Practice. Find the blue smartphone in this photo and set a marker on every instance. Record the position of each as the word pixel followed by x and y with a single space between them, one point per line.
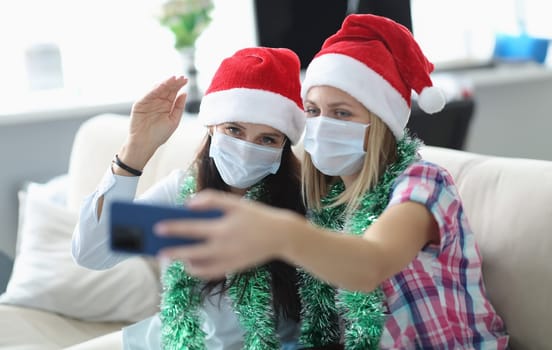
pixel 131 226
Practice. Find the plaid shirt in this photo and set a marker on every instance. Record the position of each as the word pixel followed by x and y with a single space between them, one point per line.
pixel 439 301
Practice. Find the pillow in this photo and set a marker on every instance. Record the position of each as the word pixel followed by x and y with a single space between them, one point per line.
pixel 45 276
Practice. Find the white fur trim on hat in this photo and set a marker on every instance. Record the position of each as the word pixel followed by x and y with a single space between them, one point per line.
pixel 253 106
pixel 362 83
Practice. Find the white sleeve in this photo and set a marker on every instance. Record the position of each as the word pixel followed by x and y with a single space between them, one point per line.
pixel 90 244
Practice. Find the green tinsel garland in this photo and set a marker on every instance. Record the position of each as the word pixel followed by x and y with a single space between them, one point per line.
pixel 322 305
pixel 319 317
pixel 252 301
pixel 255 312
pixel 363 313
pixel 181 299
pixel 181 327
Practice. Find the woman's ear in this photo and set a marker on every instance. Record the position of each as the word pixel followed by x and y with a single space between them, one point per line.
pixel 211 130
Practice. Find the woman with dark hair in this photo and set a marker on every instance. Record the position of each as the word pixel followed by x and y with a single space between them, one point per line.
pixel 253 113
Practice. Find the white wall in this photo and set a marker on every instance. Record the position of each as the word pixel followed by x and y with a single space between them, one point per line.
pixel 513 113
pixel 35 148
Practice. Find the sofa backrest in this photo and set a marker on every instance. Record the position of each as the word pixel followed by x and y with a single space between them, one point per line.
pixel 99 138
pixel 508 203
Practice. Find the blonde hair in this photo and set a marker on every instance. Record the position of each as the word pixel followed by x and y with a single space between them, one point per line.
pixel 381 151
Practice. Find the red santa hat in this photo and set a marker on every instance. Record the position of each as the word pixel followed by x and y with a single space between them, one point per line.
pixel 257 85
pixel 378 62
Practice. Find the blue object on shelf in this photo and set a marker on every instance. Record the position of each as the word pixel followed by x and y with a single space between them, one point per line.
pixel 520 48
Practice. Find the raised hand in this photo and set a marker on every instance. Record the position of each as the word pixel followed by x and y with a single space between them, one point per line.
pixel 153 120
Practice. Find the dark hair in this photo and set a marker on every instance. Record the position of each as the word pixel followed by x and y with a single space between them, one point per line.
pixel 283 190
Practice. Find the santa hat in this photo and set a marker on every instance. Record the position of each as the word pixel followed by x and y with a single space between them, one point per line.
pixel 378 62
pixel 257 85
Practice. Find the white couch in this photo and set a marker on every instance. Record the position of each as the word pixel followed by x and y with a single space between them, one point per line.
pixel 508 202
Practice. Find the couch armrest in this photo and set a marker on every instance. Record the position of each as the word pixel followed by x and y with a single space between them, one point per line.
pixel 32 329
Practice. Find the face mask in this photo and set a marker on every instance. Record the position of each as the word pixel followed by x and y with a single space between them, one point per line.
pixel 336 147
pixel 242 164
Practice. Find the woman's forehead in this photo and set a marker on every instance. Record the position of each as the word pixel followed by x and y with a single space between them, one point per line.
pixel 327 93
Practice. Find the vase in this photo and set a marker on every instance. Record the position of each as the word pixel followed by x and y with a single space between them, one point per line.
pixel 193 99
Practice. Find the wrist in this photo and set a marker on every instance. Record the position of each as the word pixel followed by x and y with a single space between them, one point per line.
pixel 135 156
pixel 121 166
pixel 294 232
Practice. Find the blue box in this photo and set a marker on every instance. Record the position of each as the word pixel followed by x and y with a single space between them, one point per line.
pixel 520 48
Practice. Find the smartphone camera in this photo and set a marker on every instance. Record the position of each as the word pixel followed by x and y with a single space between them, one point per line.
pixel 127 238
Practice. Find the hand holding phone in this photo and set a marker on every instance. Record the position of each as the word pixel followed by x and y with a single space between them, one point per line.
pixel 131 226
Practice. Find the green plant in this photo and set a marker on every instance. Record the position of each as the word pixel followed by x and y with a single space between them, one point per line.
pixel 186 19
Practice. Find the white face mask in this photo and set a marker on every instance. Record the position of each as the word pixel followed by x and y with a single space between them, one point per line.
pixel 336 147
pixel 242 164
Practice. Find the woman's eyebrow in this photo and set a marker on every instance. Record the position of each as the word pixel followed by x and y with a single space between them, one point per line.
pixel 273 134
pixel 333 104
pixel 337 104
pixel 234 124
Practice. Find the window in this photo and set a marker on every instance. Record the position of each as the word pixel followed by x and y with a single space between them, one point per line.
pixel 464 31
pixel 109 50
pixel 114 50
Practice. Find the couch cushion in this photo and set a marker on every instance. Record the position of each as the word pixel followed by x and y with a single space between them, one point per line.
pixel 30 329
pixel 508 202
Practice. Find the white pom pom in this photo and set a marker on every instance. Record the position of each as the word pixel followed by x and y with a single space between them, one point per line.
pixel 431 100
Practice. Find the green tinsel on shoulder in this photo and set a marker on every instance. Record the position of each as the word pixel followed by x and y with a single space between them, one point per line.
pixel 181 296
pixel 319 316
pixel 363 314
pixel 187 189
pixel 253 305
pixel 252 301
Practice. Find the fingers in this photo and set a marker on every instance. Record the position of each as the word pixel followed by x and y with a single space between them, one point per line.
pixel 173 85
pixel 212 199
pixel 188 228
pixel 216 268
pixel 204 267
pixel 178 107
pixel 196 252
pixel 201 260
pixel 167 89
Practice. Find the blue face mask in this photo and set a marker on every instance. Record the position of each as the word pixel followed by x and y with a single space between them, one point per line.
pixel 336 147
pixel 242 164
